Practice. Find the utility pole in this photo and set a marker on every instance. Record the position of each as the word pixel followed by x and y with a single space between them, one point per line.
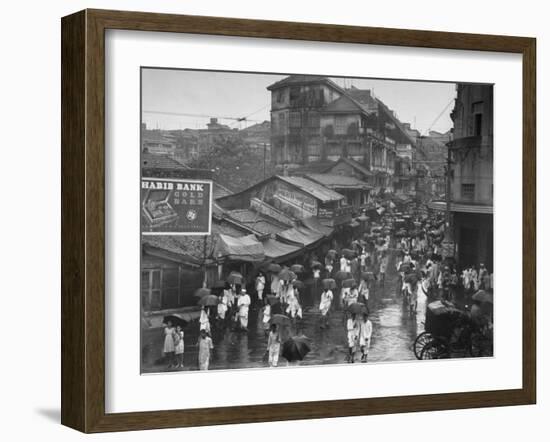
pixel 264 159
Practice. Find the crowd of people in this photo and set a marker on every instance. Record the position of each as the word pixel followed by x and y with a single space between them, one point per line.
pixel 345 281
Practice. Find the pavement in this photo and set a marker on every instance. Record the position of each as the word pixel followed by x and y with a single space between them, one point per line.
pixel 394 332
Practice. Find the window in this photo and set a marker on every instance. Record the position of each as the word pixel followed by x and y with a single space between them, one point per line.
pixel 468 191
pixel 477 111
pixel 340 123
pixel 314 120
pixel 295 119
pixel 294 95
pixel 151 289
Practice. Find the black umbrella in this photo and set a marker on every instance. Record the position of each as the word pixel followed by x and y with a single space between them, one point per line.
pixel 357 308
pixel 272 299
pixel 235 278
pixel 368 276
pixel 297 268
pixel 280 319
pixel 175 319
pixel 287 275
pixel 298 284
pixel 483 296
pixel 199 293
pixel 348 253
pixel 349 283
pixel 316 265
pixel 340 275
pixel 208 301
pixel 273 267
pixel 296 348
pixel 329 283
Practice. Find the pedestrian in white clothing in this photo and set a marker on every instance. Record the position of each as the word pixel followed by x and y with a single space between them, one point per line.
pixel 352 328
pixel 260 286
pixel 365 333
pixel 243 304
pixel 273 346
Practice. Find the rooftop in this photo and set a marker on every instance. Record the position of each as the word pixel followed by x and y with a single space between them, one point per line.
pixel 160 161
pixel 256 221
pixel 314 189
pixel 357 166
pixel 336 181
pixel 298 80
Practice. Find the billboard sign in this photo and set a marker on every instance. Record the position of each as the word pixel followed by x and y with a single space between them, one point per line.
pixel 171 206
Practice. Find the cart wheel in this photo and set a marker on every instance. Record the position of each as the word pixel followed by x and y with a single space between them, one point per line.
pixel 420 342
pixel 434 350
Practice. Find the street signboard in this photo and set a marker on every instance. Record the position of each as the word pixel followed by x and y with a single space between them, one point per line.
pixel 173 206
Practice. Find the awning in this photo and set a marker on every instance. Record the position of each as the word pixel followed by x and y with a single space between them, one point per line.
pixel 313 223
pixel 465 208
pixel 277 251
pixel 244 248
pixel 301 235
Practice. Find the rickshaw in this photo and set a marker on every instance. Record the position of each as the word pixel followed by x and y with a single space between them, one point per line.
pixel 447 332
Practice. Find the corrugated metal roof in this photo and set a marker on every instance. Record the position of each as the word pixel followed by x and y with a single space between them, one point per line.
pixel 357 166
pixel 256 221
pixel 160 161
pixel 314 189
pixel 336 181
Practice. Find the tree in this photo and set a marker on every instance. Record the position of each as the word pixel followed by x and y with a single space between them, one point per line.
pixel 236 165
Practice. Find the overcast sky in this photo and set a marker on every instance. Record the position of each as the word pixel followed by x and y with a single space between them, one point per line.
pixel 204 94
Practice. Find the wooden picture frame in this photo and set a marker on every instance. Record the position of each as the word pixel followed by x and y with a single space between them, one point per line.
pixel 83 219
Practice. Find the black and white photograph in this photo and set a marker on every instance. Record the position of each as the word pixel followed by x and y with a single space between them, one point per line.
pixel 304 219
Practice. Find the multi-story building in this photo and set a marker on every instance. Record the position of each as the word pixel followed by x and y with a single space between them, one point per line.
pixel 315 120
pixel 471 181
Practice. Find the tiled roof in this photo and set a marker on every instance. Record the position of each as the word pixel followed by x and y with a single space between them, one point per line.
pixel 160 161
pixel 313 167
pixel 314 189
pixel 352 163
pixel 336 181
pixel 256 221
pixel 297 79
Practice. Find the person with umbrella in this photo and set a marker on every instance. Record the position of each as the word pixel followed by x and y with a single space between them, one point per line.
pixel 273 345
pixel 260 286
pixel 204 320
pixel 205 349
pixel 169 345
pixel 365 333
pixel 179 347
pixel 329 262
pixel 363 289
pixel 324 305
pixel 352 328
pixel 266 316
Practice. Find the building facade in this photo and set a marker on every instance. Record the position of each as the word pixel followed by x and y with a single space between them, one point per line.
pixel 315 120
pixel 471 182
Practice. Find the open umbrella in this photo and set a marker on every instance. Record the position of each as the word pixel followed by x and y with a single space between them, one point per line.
pixel 483 296
pixel 208 300
pixel 298 284
pixel 280 319
pixel 332 252
pixel 272 299
pixel 411 278
pixel 296 348
pixel 316 265
pixel 297 268
pixel 357 308
pixel 348 253
pixel 203 291
pixel 329 283
pixel 235 278
pixel 405 267
pixel 287 275
pixel 273 267
pixel 175 319
pixel 349 283
pixel 341 275
pixel 368 276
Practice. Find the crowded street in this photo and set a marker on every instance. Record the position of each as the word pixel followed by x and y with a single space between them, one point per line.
pixel 238 330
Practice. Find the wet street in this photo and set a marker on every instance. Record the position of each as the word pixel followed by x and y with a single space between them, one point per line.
pixel 394 331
